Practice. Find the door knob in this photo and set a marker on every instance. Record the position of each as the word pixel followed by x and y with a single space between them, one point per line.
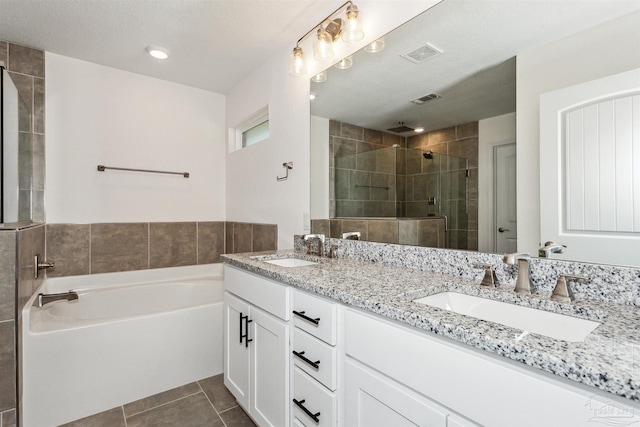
pixel 502 230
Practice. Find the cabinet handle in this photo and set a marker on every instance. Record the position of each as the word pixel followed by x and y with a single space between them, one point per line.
pixel 247 340
pixel 304 359
pixel 241 335
pixel 314 417
pixel 307 318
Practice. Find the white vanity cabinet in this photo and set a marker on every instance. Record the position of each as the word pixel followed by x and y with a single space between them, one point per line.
pixel 256 345
pixel 314 359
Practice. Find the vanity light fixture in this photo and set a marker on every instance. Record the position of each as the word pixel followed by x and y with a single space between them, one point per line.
pixel 157 52
pixel 375 46
pixel 344 63
pixel 327 32
pixel 320 77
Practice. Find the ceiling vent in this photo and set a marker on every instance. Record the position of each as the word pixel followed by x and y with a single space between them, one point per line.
pixel 401 129
pixel 426 98
pixel 421 53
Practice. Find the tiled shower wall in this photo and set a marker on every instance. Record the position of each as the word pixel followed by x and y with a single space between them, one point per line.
pixel 26 67
pixel 78 249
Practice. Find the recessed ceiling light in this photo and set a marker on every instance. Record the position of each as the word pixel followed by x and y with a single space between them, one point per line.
pixel 418 130
pixel 157 52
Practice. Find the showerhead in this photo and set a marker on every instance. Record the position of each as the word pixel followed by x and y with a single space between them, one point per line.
pixel 428 154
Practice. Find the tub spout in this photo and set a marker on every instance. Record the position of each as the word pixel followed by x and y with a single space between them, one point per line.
pixel 47 298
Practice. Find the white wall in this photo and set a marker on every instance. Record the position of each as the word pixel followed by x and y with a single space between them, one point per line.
pixel 491 132
pixel 607 49
pixel 101 115
pixel 254 195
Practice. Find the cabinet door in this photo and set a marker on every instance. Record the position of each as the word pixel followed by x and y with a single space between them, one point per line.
pixel 236 353
pixel 374 400
pixel 269 369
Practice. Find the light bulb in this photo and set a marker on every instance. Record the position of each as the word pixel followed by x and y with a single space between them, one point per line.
pixel 344 63
pixel 375 46
pixel 323 46
pixel 352 31
pixel 297 67
pixel 320 77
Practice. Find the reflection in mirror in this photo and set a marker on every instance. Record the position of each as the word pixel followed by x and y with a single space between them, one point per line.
pixel 449 72
pixel 15 146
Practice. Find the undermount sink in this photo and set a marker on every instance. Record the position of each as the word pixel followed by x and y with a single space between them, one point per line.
pixel 291 262
pixel 531 320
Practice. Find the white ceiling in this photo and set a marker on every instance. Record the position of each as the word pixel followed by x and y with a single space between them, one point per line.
pixel 476 73
pixel 213 43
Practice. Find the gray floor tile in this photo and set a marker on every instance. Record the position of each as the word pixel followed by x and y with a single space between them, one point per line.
pixel 112 418
pixel 217 393
pixel 192 411
pixel 160 399
pixel 236 417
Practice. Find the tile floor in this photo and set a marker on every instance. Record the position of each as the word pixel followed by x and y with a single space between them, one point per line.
pixel 202 403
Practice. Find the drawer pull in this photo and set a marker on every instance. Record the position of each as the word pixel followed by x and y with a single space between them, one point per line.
pixel 315 417
pixel 307 318
pixel 300 355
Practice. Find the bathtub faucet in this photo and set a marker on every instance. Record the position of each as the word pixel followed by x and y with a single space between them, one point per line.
pixel 47 298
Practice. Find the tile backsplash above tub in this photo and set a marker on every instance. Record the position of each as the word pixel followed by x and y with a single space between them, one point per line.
pixel 78 249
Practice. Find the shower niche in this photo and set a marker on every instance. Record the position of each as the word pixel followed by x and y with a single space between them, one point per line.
pixel 423 185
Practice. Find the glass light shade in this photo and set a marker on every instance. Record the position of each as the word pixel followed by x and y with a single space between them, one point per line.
pixel 323 46
pixel 344 63
pixel 320 77
pixel 297 67
pixel 352 31
pixel 375 46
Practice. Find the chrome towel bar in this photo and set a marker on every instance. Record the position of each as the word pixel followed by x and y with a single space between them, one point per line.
pixel 102 168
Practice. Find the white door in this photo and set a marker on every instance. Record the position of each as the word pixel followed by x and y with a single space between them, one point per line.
pixel 373 400
pixel 506 226
pixel 236 351
pixel 589 163
pixel 269 369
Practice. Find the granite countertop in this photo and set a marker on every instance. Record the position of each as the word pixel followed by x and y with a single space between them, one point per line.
pixel 609 358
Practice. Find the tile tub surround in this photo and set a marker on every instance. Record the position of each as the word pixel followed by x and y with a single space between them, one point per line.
pixel 78 249
pixel 202 403
pixel 384 279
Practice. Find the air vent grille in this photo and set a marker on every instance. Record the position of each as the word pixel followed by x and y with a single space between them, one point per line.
pixel 421 53
pixel 426 98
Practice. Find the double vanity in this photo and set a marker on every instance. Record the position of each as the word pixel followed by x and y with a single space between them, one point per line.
pixel 390 335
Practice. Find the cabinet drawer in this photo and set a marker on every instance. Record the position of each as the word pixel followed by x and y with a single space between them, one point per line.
pixel 316 399
pixel 308 347
pixel 266 294
pixel 315 316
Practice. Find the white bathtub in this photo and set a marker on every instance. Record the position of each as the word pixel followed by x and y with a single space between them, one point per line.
pixel 128 336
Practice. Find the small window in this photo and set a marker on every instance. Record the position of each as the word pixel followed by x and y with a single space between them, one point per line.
pixel 258 133
pixel 252 130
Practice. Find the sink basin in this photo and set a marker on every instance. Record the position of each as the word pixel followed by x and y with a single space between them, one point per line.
pixel 291 262
pixel 541 322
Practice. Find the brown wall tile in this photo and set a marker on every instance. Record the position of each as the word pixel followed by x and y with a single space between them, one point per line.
pixel 26 60
pixel 172 244
pixel 467 130
pixel 4 46
pixel 228 237
pixel 349 225
pixel 211 241
pixel 7 366
pixel 38 105
pixel 68 246
pixel 9 418
pixel 321 226
pixel 351 131
pixel 383 231
pixel 31 242
pixel 119 247
pixel 7 274
pixel 38 162
pixel 242 237
pixel 265 237
pixel 24 84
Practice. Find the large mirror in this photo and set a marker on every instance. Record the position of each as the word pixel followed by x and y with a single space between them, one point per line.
pixel 16 156
pixel 449 73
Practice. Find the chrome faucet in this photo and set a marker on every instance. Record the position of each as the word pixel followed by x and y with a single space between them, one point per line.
pixel 549 248
pixel 310 238
pixel 562 292
pixel 523 282
pixel 40 265
pixel 47 298
pixel 351 235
